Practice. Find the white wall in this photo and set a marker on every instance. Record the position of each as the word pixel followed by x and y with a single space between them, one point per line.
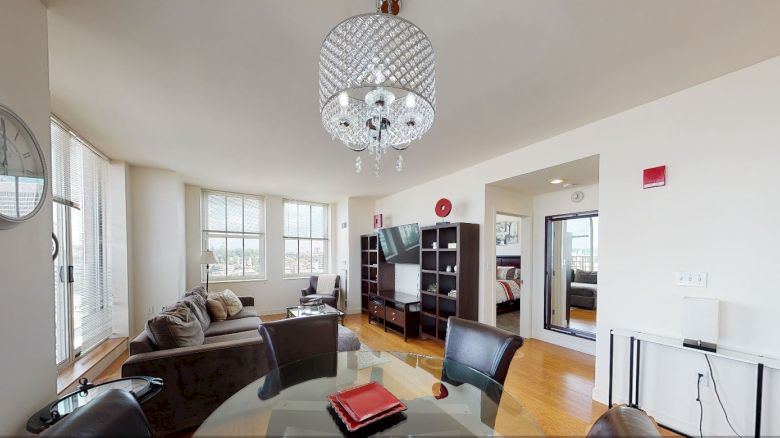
pixel 157 241
pixel 721 142
pixel 550 204
pixel 361 222
pixel 28 377
pixel 119 247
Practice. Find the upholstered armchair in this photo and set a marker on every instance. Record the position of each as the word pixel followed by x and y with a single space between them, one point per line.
pixel 310 293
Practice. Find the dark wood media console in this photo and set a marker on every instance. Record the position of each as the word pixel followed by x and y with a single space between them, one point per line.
pixel 396 311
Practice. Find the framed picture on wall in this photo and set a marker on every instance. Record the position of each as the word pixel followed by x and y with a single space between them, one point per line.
pixel 507 233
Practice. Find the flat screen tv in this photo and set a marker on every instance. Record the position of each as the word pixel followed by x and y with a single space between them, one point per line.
pixel 401 244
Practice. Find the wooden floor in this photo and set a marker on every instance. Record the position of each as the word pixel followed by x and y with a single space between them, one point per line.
pixel 582 319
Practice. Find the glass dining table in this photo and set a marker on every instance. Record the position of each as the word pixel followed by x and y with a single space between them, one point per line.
pixel 443 398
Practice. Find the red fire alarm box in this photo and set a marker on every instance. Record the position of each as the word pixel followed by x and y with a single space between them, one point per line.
pixel 654 177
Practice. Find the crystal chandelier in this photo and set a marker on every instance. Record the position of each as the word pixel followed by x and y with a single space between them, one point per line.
pixel 377 85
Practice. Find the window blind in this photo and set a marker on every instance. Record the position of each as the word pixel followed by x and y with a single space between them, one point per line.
pixel 79 177
pixel 233 227
pixel 305 238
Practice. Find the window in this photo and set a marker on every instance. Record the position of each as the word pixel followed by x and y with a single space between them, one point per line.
pixel 234 228
pixel 305 238
pixel 584 243
pixel 83 297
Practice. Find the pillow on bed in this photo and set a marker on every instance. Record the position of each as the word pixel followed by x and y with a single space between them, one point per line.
pixel 505 272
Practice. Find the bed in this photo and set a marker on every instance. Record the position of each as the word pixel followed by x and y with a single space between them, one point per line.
pixel 507 284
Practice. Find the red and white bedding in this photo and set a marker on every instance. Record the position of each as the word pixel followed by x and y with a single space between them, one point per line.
pixel 506 290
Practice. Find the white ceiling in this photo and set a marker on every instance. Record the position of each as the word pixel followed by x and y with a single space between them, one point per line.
pixel 574 173
pixel 225 92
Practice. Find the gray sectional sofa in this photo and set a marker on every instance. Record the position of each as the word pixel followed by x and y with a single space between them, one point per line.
pixel 199 378
pixel 583 289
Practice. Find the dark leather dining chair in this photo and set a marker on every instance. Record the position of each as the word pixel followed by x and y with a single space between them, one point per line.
pixel 624 421
pixel 293 339
pixel 114 413
pixel 310 293
pixel 482 347
pixel 298 349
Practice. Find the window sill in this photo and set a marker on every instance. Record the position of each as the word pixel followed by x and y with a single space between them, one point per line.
pixel 304 277
pixel 78 369
pixel 237 280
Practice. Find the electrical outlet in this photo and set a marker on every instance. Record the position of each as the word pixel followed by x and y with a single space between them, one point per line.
pixel 690 279
pixel 150 310
pixel 705 379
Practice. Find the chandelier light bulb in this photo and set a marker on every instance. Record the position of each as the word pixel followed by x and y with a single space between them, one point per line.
pixel 410 100
pixel 344 99
pixel 358 164
pixel 399 163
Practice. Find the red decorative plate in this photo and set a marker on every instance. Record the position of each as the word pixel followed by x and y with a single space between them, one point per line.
pixel 363 405
pixel 353 425
pixel 443 207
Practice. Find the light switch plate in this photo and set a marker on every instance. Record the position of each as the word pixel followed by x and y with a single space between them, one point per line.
pixel 690 279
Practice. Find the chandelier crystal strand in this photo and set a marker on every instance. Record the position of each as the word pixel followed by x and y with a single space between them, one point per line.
pixel 377 84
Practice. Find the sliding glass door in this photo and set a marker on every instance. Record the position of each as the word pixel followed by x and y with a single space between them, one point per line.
pixel 83 297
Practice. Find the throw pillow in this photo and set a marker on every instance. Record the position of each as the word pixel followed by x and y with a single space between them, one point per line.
pixel 232 303
pixel 216 307
pixel 197 304
pixel 229 301
pixel 505 272
pixel 175 327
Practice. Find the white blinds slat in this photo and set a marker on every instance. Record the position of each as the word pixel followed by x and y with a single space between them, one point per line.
pixel 79 176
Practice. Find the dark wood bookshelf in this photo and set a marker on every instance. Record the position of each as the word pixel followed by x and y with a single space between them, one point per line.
pixel 463 276
pixel 375 273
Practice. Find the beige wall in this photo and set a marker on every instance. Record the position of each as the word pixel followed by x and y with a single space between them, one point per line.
pixel 720 141
pixel 28 375
pixel 157 242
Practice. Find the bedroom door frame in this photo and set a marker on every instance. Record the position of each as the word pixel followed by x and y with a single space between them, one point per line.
pixel 549 222
pixel 526 255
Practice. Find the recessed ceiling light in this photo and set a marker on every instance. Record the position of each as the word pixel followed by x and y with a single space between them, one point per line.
pixel 556 181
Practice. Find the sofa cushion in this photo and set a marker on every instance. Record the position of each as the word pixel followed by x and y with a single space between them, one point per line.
pixel 581 276
pixel 197 305
pixel 233 326
pixel 246 312
pixel 249 334
pixel 584 289
pixel 175 327
pixel 200 290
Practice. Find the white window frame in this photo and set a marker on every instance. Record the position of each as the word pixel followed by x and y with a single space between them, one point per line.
pixel 325 239
pixel 205 232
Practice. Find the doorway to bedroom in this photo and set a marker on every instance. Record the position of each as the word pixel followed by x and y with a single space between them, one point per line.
pixel 509 281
